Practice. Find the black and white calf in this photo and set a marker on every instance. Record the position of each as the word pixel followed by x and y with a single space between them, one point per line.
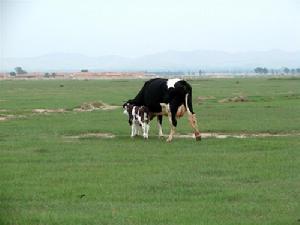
pixel 138 118
pixel 169 97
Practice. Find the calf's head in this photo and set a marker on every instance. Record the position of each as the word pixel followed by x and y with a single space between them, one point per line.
pixel 128 111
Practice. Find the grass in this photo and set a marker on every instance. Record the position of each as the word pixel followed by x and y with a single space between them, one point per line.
pixel 49 179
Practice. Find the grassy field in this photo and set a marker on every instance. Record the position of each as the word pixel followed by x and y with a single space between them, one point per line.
pixel 46 177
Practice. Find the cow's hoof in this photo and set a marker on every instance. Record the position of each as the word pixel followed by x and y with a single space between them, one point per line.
pixel 197 136
pixel 169 139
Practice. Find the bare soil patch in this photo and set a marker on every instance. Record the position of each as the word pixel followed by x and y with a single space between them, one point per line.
pixel 84 107
pixel 234 99
pixel 2 118
pixel 48 110
pixel 9 117
pixel 92 135
pixel 91 106
pixel 201 99
pixel 236 135
pixel 203 135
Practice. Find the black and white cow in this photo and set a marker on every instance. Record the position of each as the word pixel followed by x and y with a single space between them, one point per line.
pixel 138 118
pixel 167 97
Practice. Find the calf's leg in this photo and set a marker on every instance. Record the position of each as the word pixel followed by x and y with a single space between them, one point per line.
pixel 145 127
pixel 132 130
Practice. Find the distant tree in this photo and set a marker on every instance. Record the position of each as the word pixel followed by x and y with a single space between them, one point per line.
pixel 46 75
pixel 84 70
pixel 53 74
pixel 12 74
pixel 19 70
pixel 258 70
pixel 261 70
pixel 286 70
pixel 297 70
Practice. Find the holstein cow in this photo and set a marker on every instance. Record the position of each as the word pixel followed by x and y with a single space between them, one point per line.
pixel 169 97
pixel 138 117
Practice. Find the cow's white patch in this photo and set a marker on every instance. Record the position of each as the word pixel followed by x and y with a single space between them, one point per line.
pixel 133 111
pixel 160 132
pixel 172 82
pixel 165 108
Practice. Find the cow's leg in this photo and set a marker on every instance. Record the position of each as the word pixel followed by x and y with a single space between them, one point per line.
pixel 192 116
pixel 172 120
pixel 193 122
pixel 159 124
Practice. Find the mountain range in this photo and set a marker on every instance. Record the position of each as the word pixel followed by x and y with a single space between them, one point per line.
pixel 163 61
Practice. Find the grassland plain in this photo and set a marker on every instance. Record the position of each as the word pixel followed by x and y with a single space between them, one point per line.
pixel 48 178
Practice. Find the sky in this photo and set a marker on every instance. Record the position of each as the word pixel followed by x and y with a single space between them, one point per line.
pixel 134 28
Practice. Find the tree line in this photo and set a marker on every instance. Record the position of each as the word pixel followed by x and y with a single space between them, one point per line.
pixel 259 70
pixel 284 70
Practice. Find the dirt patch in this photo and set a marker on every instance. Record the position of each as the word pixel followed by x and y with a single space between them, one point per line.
pixel 3 118
pixel 9 117
pixel 201 99
pixel 92 135
pixel 84 107
pixel 234 99
pixel 92 106
pixel 237 135
pixel 48 110
pixel 203 135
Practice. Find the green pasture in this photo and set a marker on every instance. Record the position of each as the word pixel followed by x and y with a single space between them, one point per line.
pixel 48 177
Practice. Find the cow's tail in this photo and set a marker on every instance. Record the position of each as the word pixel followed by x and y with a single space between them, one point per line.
pixel 192 116
pixel 188 103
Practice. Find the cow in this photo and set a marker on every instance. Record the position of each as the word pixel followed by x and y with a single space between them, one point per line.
pixel 138 117
pixel 167 97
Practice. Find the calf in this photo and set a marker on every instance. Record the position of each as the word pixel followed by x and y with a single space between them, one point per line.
pixel 138 117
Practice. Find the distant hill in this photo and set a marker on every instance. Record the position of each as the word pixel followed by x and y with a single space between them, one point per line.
pixel 170 60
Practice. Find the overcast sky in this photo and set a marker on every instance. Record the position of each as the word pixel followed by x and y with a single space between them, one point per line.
pixel 139 27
